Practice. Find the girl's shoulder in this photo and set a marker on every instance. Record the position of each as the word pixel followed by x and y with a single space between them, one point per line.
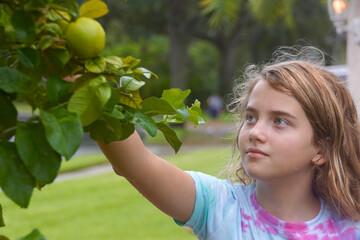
pixel 206 178
pixel 347 228
pixel 220 186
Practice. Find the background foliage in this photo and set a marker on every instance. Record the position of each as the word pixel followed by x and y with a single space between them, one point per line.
pixel 251 37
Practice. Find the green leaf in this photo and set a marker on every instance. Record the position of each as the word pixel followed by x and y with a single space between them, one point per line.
pixel 35 151
pixel 2 237
pixel 96 65
pixel 183 112
pixel 57 89
pixel 69 6
pixel 83 80
pixel 115 61
pixel 173 119
pixel 154 106
pixel 45 42
pixel 9 119
pixel 117 112
pixel 63 130
pixel 89 100
pixel 97 130
pixel 132 99
pixel 145 72
pixel 54 28
pixel 58 56
pixel 53 16
pixel 12 80
pixel 175 97
pixel 36 95
pixel 114 65
pixel 131 61
pixel 130 84
pixel 24 26
pixel 8 33
pixel 72 7
pixel 93 9
pixel 29 57
pixel 196 115
pixel 38 3
pixel 15 180
pixel 109 129
pixel 114 99
pixel 146 122
pixel 170 136
pixel 2 223
pixel 34 235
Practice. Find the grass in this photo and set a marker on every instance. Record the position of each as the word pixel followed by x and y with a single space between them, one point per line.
pixel 82 161
pixel 103 206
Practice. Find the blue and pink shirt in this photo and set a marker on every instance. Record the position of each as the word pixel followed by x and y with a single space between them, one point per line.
pixel 226 211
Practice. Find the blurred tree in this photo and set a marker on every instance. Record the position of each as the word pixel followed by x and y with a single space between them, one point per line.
pixel 180 26
pixel 262 25
pixel 242 30
pixel 176 19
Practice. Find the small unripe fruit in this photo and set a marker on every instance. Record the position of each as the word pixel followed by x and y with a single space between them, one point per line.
pixel 86 37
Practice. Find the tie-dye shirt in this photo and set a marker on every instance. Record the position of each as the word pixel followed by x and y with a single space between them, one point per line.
pixel 226 211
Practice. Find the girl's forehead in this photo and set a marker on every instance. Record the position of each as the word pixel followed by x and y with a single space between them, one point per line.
pixel 264 95
pixel 263 85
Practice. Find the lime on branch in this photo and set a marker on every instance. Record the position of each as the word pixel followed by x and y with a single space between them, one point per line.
pixel 50 59
pixel 86 37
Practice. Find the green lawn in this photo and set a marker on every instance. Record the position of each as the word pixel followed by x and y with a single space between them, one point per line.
pixel 82 161
pixel 103 207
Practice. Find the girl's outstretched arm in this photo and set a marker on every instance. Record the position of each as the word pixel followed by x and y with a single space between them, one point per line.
pixel 166 186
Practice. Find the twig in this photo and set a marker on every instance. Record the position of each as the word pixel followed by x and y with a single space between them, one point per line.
pixel 60 105
pixel 30 120
pixel 62 16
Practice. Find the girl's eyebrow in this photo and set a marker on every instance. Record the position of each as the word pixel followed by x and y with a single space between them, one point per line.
pixel 282 113
pixel 250 109
pixel 273 112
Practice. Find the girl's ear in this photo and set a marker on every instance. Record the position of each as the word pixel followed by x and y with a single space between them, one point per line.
pixel 319 156
pixel 318 159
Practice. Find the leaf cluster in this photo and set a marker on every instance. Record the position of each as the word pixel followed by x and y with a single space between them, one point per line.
pixel 68 95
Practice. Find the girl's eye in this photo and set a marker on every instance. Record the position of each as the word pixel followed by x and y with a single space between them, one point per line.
pixel 280 122
pixel 250 118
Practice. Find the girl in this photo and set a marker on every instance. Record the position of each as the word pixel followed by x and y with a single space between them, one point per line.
pixel 298 140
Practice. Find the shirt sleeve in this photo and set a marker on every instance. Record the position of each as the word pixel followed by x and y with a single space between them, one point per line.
pixel 215 204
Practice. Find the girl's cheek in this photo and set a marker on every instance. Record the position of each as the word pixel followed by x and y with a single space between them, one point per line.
pixel 241 140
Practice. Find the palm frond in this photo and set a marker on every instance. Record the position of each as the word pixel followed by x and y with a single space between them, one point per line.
pixel 220 11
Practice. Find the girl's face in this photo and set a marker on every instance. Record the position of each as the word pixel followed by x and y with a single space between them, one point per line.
pixel 275 141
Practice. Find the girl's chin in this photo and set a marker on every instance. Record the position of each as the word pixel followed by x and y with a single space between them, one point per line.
pixel 256 173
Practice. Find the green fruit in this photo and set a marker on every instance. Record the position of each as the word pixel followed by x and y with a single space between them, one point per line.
pixel 86 37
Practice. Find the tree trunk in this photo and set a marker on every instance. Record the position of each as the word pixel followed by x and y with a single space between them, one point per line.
pixel 227 68
pixel 179 37
pixel 178 60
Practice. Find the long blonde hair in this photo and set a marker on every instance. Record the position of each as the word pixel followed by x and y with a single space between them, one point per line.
pixel 331 111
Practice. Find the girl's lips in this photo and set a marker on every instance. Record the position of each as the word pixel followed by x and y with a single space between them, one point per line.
pixel 255 153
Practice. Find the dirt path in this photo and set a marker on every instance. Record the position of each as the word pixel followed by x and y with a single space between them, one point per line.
pixel 160 150
pixel 88 146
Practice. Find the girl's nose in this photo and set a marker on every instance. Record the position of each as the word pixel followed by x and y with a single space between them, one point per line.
pixel 258 133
